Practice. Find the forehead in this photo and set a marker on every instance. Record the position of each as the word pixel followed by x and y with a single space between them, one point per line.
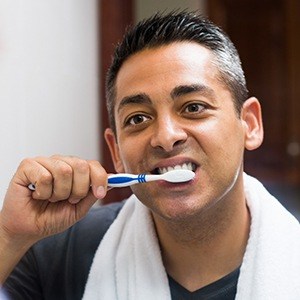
pixel 160 69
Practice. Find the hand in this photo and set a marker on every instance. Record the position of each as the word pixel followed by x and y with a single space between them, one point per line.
pixel 65 189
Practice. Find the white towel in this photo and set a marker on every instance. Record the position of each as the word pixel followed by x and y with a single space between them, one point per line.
pixel 271 264
pixel 128 264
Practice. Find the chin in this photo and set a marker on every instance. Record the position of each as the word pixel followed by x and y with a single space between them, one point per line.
pixel 180 211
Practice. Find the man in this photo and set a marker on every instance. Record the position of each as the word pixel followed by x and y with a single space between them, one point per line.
pixel 177 98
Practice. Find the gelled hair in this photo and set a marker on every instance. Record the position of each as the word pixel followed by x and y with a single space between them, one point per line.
pixel 164 29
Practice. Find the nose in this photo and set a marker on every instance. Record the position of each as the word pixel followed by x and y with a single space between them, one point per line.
pixel 168 133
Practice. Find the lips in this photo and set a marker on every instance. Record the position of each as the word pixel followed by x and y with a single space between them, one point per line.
pixel 184 166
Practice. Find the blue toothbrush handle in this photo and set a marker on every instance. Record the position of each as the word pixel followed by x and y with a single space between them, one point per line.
pixel 124 179
pixel 117 180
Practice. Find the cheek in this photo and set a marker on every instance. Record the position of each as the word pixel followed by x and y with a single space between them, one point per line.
pixel 222 141
pixel 132 153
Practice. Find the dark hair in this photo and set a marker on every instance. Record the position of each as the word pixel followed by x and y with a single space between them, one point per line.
pixel 183 26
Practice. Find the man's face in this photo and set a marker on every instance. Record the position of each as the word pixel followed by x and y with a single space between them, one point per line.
pixel 171 110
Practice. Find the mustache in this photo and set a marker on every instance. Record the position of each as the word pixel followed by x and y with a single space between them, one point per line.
pixel 178 149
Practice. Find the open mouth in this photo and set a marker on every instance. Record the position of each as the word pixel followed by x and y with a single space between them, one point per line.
pixel 185 166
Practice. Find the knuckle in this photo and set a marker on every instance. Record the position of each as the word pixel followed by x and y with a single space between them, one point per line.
pixel 25 162
pixel 65 171
pixel 96 164
pixel 81 166
pixel 56 156
pixel 45 179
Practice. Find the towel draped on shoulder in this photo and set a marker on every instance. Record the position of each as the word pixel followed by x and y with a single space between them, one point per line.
pixel 128 263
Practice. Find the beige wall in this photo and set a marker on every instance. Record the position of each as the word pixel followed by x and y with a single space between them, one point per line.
pixel 48 81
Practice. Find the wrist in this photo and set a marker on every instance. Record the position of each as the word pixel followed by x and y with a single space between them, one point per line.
pixel 12 248
pixel 15 241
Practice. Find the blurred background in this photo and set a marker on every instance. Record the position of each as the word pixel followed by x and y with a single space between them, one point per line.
pixel 49 81
pixel 54 56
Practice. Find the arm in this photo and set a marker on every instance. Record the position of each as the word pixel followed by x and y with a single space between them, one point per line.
pixel 62 197
pixel 24 282
pixel 11 251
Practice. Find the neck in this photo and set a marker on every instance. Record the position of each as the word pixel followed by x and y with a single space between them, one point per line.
pixel 202 250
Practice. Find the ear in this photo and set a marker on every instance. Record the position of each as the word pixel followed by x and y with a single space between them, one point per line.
pixel 114 150
pixel 252 122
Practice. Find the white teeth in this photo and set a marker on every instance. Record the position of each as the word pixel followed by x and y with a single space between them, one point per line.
pixel 185 166
pixel 163 170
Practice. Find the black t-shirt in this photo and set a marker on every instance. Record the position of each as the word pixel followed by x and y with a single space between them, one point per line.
pixel 57 267
pixel 222 289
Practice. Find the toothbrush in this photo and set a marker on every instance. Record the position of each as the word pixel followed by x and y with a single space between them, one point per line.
pixel 124 179
pixel 174 176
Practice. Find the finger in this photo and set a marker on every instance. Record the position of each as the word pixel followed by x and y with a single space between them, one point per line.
pixel 81 178
pixel 62 174
pixel 30 171
pixel 98 177
pixel 85 204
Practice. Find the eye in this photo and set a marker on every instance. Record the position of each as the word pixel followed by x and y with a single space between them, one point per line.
pixel 137 119
pixel 194 108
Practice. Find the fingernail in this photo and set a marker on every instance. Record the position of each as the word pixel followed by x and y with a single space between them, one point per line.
pixel 100 192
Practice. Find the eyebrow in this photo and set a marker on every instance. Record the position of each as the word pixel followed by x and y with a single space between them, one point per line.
pixel 141 98
pixel 181 90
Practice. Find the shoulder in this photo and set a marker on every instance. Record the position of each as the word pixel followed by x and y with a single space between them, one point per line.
pixel 87 232
pixel 53 265
pixel 80 241
pixel 101 216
